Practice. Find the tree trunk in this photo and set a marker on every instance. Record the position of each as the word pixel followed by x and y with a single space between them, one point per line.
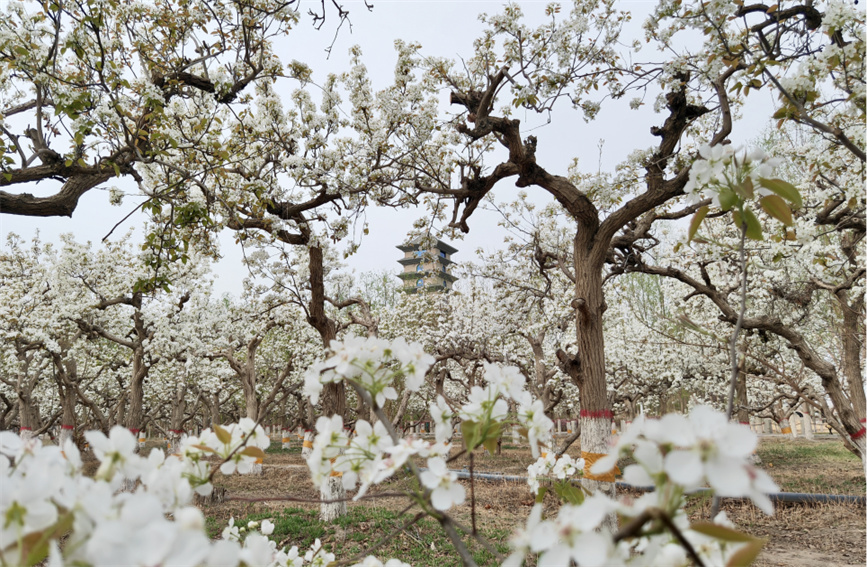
pixel 742 414
pixel 853 347
pixel 67 418
pixel 179 408
pixel 333 395
pixel 214 407
pixel 595 413
pixel 26 415
pixel 135 415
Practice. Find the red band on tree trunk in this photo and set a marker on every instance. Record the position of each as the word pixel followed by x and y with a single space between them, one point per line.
pixel 860 433
pixel 66 427
pixel 597 414
pixel 25 429
pixel 134 430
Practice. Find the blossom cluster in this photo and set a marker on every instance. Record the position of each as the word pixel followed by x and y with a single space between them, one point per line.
pixel 487 409
pixel 372 454
pixel 723 166
pixel 692 451
pixel 549 466
pixel 674 454
pixel 151 521
pixel 373 364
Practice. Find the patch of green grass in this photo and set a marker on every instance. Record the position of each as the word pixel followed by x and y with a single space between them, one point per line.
pixel 818 467
pixel 783 453
pixel 277 449
pixel 423 543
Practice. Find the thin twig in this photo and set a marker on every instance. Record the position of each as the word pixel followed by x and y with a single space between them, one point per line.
pixel 680 538
pixel 456 456
pixel 381 542
pixel 472 496
pixel 315 500
pixel 733 344
pixel 633 529
pixel 444 520
pixel 449 527
pixel 482 540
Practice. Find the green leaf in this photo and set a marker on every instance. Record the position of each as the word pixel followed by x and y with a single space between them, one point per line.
pixel 491 438
pixel 696 221
pixel 777 208
pixel 723 533
pixel 222 435
pixel 253 452
pixel 727 199
pixel 8 176
pixel 754 227
pixel 747 554
pixel 569 493
pixel 784 189
pixel 36 544
pixel 747 188
pixel 470 431
pixel 540 496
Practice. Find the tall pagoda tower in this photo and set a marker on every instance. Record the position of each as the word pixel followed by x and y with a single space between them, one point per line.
pixel 426 265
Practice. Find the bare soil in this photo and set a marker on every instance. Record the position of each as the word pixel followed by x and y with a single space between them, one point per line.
pixel 798 535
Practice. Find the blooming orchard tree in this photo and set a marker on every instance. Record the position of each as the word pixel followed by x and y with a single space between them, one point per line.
pixel 544 69
pixel 112 296
pixel 820 257
pixel 532 280
pixel 806 251
pixel 100 91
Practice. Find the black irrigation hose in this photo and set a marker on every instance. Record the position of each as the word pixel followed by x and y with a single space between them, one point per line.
pixel 797 497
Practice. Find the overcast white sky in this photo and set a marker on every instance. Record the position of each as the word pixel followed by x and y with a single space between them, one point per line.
pixel 444 28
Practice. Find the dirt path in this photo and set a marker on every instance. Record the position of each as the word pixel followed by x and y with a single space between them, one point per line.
pixel 827 535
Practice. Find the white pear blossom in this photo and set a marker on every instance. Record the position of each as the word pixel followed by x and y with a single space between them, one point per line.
pixel 445 490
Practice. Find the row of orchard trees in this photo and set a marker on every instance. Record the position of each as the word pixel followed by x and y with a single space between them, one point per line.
pixel 185 101
pixel 83 348
pixel 670 305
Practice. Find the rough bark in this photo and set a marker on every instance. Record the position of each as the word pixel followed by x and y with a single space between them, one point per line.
pixel 593 237
pixel 851 334
pixel 742 413
pixel 333 395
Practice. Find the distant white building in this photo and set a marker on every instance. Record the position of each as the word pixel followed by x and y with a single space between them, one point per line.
pixel 426 265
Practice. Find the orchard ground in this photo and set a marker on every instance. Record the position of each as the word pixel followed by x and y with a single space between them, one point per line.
pixel 832 535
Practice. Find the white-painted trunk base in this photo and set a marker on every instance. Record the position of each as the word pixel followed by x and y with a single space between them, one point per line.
pixel 333 490
pixel 307 444
pixel 595 435
pixel 65 435
pixel 807 427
